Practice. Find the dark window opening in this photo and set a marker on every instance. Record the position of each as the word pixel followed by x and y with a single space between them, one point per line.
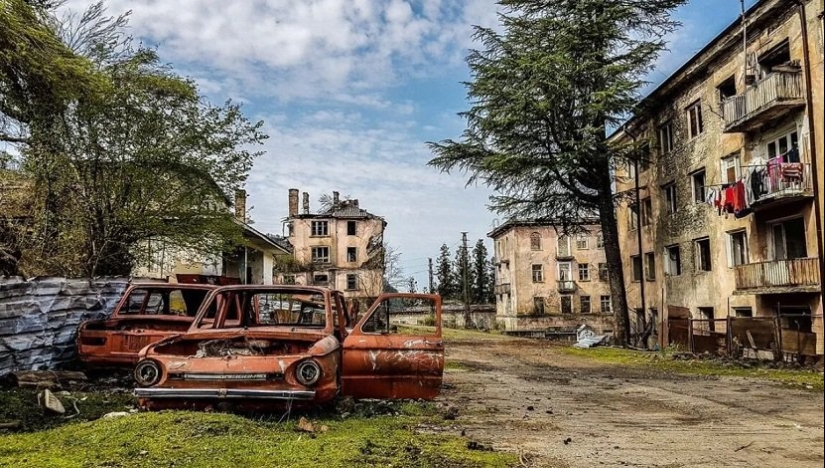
pixel 538 305
pixel 351 228
pixel 650 266
pixel 637 267
pixel 352 282
pixel 585 304
pixel 673 260
pixel 567 304
pixel 778 56
pixel 703 259
pixel 699 186
pixel 352 254
pixel 727 88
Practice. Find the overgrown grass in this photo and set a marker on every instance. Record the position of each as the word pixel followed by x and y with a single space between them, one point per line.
pixel 458 334
pixel 21 405
pixel 663 361
pixel 191 439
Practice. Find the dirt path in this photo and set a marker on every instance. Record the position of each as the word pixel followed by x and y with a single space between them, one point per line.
pixel 529 397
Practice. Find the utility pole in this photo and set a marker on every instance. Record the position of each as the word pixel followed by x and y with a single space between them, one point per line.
pixel 430 268
pixel 464 254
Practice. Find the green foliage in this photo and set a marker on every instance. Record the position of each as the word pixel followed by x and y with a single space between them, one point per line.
pixel 21 405
pixel 460 264
pixel 482 292
pixel 447 286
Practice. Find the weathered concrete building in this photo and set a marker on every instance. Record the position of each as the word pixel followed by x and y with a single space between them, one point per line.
pixel 547 280
pixel 341 248
pixel 721 217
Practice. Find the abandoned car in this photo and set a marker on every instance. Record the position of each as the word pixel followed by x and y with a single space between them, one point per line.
pixel 265 346
pixel 147 313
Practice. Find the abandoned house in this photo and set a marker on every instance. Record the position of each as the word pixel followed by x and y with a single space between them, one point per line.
pixel 721 216
pixel 548 280
pixel 340 247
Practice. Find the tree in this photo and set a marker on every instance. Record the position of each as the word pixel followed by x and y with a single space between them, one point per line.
pixel 543 93
pixel 446 286
pixel 462 261
pixel 481 274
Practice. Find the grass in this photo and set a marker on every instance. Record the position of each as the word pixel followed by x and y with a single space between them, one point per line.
pixel 195 439
pixel 663 362
pixel 21 405
pixel 457 334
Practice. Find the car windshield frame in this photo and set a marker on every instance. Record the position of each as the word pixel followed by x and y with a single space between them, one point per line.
pixel 121 310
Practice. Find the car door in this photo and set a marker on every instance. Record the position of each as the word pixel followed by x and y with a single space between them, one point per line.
pixel 384 358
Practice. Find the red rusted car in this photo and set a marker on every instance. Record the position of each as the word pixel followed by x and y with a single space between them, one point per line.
pixel 260 346
pixel 147 313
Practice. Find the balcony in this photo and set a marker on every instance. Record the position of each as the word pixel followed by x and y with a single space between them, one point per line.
pixel 503 288
pixel 768 99
pixel 566 286
pixel 778 276
pixel 791 182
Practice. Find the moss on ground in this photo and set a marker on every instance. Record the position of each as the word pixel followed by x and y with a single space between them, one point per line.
pixel 663 361
pixel 192 439
pixel 21 405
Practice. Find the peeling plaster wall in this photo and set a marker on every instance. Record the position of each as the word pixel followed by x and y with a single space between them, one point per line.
pixel 39 317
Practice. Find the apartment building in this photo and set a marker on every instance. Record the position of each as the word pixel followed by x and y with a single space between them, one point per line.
pixel 724 206
pixel 545 279
pixel 341 247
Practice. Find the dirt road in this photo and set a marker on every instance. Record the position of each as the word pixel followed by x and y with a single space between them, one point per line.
pixel 566 411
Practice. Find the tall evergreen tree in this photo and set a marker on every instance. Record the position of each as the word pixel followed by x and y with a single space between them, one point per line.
pixel 481 274
pixel 462 261
pixel 444 274
pixel 544 91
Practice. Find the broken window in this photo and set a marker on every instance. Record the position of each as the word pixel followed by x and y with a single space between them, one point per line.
pixel 633 219
pixel 600 240
pixel 563 246
pixel 567 304
pixel 320 278
pixel 650 266
pixel 585 304
pixel 673 260
pixel 538 274
pixel 706 313
pixel 789 240
pixel 738 248
pixel 743 312
pixel 584 272
pixel 730 168
pixel 776 57
pixel 352 254
pixel 604 303
pixel 666 137
pixel 703 260
pixel 647 212
pixel 603 272
pixel 698 182
pixel 636 260
pixel 582 242
pixel 320 228
pixel 782 145
pixel 289 279
pixel 694 115
pixel 352 282
pixel 535 241
pixel 352 228
pixel 320 255
pixel 670 197
pixel 727 88
pixel 388 316
pixel 538 305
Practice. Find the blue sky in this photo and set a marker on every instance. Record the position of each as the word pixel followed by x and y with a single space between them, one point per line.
pixel 349 91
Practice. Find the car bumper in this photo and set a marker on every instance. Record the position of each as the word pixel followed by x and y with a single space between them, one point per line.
pixel 225 393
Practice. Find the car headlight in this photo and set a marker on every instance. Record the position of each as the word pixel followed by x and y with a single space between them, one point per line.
pixel 307 372
pixel 147 373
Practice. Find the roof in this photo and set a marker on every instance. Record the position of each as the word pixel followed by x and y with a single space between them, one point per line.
pixel 512 224
pixel 249 231
pixel 345 209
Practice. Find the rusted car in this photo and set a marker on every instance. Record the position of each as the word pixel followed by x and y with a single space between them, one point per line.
pixel 147 313
pixel 268 346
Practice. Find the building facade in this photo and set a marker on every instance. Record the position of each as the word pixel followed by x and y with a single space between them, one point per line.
pixel 720 213
pixel 341 247
pixel 548 280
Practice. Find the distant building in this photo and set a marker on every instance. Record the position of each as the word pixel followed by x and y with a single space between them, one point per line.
pixel 341 247
pixel 547 280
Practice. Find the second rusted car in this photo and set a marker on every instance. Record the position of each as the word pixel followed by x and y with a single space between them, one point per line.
pixel 274 345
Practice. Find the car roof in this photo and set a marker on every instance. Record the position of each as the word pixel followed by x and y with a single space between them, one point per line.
pixel 206 287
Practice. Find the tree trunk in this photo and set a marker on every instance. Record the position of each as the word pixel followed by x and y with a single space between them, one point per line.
pixel 618 296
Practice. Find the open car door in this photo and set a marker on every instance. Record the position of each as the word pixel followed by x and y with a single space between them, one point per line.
pixel 383 358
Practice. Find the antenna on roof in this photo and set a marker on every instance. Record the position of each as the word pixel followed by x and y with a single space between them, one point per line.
pixel 495 223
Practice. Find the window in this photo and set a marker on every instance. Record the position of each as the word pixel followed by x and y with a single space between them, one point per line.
pixel 631 169
pixel 782 145
pixel 776 56
pixel 644 157
pixel 703 262
pixel 567 304
pixel 706 313
pixel 352 254
pixel 387 317
pixel 565 271
pixel 647 212
pixel 603 272
pixel 698 183
pixel 563 248
pixel 319 228
pixel 604 304
pixel 538 274
pixel 538 305
pixel 584 272
pixel 738 248
pixel 320 278
pixel 352 282
pixel 730 168
pixel 695 124
pixel 585 304
pixel 666 137
pixel 743 312
pixel 535 241
pixel 633 219
pixel 600 240
pixel 288 279
pixel 670 197
pixel 320 255
pixel 788 240
pixel 673 261
pixel 727 88
pixel 650 266
pixel 581 242
pixel 636 260
pixel 352 228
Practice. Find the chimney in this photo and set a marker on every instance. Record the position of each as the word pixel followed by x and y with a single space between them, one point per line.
pixel 293 202
pixel 336 199
pixel 354 203
pixel 240 205
pixel 306 203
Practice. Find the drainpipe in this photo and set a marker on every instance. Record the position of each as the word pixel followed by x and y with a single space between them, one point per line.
pixel 809 103
pixel 639 233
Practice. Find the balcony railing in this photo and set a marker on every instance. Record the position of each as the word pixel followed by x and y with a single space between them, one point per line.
pixel 786 181
pixel 764 100
pixel 777 276
pixel 566 286
pixel 503 288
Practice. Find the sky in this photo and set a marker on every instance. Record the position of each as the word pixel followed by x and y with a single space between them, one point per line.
pixel 349 92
